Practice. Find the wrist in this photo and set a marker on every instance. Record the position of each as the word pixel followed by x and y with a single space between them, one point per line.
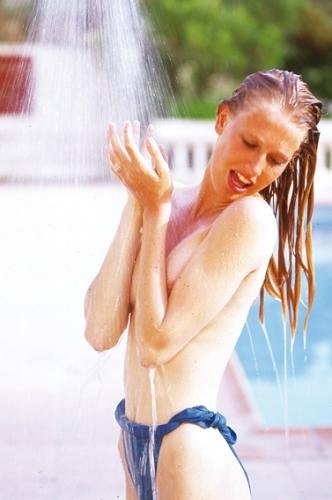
pixel 162 211
pixel 134 205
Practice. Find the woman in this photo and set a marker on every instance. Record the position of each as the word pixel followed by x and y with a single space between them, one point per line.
pixel 185 266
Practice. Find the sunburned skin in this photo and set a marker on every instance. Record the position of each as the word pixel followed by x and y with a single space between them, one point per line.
pixel 188 306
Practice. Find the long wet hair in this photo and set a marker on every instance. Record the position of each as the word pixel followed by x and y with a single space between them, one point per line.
pixel 291 196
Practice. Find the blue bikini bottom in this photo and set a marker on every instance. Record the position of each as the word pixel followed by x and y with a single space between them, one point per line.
pixel 136 439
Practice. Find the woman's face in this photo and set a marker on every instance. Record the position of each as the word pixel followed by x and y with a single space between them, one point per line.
pixel 253 149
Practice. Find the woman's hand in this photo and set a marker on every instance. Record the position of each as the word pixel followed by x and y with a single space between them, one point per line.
pixel 151 187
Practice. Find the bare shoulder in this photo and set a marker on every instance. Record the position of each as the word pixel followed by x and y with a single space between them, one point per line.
pixel 252 206
pixel 246 230
pixel 252 213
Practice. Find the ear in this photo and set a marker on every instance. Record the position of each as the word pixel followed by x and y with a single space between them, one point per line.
pixel 223 113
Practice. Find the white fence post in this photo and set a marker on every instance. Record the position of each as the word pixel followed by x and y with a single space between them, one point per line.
pixel 190 143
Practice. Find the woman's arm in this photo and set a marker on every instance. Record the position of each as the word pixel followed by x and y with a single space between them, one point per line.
pixel 107 300
pixel 240 241
pixel 151 292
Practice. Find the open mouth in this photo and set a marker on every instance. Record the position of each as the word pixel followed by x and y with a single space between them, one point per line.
pixel 238 182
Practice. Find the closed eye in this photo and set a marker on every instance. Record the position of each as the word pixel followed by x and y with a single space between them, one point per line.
pixel 248 144
pixel 275 162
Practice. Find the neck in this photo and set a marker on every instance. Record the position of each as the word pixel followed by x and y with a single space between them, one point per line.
pixel 208 202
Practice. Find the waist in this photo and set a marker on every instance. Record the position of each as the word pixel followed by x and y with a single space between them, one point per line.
pixel 147 405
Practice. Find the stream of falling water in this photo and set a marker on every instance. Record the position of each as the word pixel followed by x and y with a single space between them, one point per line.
pixel 293 366
pixel 253 350
pixel 285 391
pixel 152 432
pixel 92 62
pixel 283 388
pixel 273 361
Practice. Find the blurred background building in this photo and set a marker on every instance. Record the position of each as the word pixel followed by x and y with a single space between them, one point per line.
pixel 206 49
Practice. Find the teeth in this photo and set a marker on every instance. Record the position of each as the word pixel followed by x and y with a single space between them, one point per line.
pixel 242 179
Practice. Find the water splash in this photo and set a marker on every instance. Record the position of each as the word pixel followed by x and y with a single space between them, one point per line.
pixel 152 432
pixel 285 380
pixel 282 388
pixel 294 377
pixel 253 350
pixel 273 361
pixel 93 380
pixel 93 62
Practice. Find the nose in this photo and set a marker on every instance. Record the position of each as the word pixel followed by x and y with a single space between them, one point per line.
pixel 255 166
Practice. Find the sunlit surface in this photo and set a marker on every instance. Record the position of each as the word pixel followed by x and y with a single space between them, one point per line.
pixel 58 434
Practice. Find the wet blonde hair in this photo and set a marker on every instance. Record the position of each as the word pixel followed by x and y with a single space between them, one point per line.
pixel 291 196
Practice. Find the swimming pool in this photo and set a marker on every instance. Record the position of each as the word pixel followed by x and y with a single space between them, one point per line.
pixel 309 384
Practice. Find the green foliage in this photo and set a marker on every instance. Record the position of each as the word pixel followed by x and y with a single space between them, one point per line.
pixel 311 47
pixel 208 47
pixel 14 19
pixel 200 109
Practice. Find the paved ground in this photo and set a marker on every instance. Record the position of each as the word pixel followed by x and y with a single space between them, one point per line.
pixel 301 471
pixel 58 435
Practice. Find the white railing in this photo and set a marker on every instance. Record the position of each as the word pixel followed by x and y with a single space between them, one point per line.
pixel 38 146
pixel 26 152
pixel 189 144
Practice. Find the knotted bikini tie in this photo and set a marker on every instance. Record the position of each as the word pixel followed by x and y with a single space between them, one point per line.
pixel 136 438
pixel 201 416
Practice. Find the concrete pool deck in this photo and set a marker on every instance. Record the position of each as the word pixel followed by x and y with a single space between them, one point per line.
pixel 294 466
pixel 56 424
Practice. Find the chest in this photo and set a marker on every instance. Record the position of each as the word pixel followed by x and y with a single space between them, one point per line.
pixel 180 249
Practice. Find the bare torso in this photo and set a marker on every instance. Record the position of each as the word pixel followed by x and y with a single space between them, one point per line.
pixel 193 376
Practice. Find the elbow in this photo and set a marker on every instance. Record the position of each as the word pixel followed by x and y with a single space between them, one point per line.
pixel 98 347
pixel 153 356
pixel 104 334
pixel 98 341
pixel 148 361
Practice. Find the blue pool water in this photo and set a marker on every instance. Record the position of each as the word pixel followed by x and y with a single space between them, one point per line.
pixel 309 384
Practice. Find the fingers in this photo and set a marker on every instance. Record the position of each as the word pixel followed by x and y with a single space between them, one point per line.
pixel 150 186
pixel 138 164
pixel 158 158
pixel 126 160
pixel 118 152
pixel 163 152
pixel 117 156
pixel 113 161
pixel 137 132
pixel 148 133
pixel 131 145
